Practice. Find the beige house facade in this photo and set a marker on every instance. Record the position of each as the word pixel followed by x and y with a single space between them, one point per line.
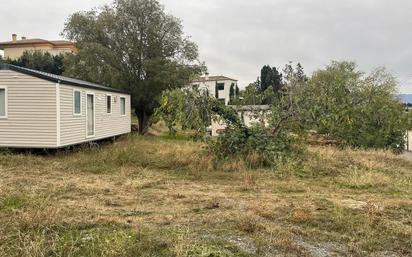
pixel 15 48
pixel 41 110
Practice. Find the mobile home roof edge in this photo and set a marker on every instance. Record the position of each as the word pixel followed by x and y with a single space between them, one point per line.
pixel 60 79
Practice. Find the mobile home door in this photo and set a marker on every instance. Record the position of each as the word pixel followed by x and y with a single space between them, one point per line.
pixel 90 116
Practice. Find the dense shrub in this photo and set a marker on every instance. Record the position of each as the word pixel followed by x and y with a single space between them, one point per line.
pixel 257 145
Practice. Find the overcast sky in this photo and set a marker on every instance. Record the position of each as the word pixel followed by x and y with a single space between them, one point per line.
pixel 237 37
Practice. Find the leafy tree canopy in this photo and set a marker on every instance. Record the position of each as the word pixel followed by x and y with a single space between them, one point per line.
pixel 191 109
pixel 133 45
pixel 359 110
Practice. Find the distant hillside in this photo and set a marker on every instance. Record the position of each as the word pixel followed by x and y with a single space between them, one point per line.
pixel 406 98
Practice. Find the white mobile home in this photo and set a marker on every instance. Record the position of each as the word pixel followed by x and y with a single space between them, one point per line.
pixel 42 110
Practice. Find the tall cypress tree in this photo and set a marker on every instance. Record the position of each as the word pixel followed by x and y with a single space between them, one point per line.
pixel 270 78
pixel 232 91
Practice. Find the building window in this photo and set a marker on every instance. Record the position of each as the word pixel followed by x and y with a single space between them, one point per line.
pixel 221 86
pixel 122 106
pixel 108 104
pixel 77 102
pixel 3 102
pixel 222 100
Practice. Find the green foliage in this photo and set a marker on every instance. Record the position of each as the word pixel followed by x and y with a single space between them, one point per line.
pixel 41 61
pixel 257 145
pixel 263 145
pixel 295 76
pixel 267 145
pixel 358 110
pixel 170 105
pixel 188 108
pixel 270 78
pixel 251 95
pixel 134 45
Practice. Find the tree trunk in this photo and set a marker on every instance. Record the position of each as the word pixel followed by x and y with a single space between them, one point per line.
pixel 143 119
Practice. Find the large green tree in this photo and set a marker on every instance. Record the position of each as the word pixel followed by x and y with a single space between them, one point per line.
pixel 359 110
pixel 133 45
pixel 39 60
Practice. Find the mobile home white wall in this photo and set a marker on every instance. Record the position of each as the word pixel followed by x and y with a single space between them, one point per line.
pixel 31 111
pixel 73 127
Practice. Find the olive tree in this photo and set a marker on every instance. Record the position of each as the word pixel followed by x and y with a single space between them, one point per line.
pixel 357 109
pixel 133 45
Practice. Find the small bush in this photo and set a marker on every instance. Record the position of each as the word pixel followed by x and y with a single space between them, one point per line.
pixel 257 146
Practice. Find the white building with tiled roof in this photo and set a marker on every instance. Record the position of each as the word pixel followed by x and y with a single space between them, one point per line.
pixel 217 86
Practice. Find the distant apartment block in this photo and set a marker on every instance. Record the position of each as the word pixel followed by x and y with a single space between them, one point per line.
pixel 217 86
pixel 15 48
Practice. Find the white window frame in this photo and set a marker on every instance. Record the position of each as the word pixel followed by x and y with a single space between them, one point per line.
pixel 94 118
pixel 6 104
pixel 111 104
pixel 122 97
pixel 74 103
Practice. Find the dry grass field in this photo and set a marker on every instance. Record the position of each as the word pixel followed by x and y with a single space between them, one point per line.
pixel 152 196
